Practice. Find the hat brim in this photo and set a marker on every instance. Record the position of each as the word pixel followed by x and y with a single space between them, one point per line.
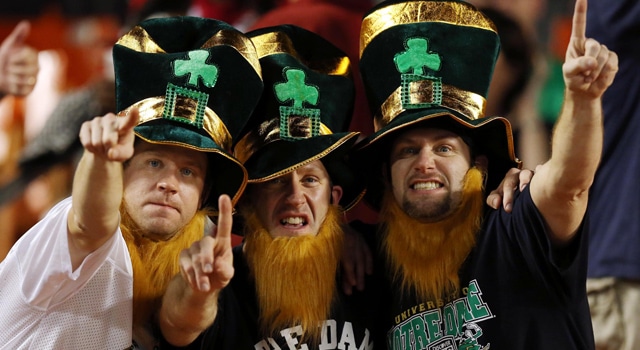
pixel 492 137
pixel 281 157
pixel 225 174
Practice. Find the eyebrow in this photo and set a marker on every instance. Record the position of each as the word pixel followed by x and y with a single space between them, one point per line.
pixel 188 160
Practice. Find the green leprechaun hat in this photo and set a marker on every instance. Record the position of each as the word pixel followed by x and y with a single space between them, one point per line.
pixel 195 82
pixel 430 63
pixel 304 112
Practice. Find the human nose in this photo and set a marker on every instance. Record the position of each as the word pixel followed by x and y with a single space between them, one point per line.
pixel 424 161
pixel 295 195
pixel 168 182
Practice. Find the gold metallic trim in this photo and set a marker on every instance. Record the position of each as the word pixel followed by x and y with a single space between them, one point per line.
pixel 467 103
pixel 455 13
pixel 138 39
pixel 266 133
pixel 238 41
pixel 320 155
pixel 274 43
pixel 152 108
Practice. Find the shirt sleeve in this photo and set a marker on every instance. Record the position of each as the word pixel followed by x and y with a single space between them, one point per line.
pixel 44 262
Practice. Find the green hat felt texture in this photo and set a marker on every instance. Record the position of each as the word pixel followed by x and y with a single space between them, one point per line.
pixel 195 82
pixel 429 63
pixel 304 112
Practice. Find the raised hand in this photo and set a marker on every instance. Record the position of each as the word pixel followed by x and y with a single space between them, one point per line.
pixel 18 62
pixel 207 266
pixel 110 137
pixel 589 66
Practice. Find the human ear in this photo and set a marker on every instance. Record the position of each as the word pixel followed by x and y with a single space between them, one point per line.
pixel 336 194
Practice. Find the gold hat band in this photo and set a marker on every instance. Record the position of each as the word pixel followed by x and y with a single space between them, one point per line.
pixel 139 40
pixel 152 108
pixel 268 132
pixel 468 103
pixel 274 43
pixel 456 13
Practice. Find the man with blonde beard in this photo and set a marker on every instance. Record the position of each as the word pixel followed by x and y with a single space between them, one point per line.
pixel 90 275
pixel 284 292
pixel 462 276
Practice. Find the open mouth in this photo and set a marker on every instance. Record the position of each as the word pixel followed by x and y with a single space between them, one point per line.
pixel 428 185
pixel 293 221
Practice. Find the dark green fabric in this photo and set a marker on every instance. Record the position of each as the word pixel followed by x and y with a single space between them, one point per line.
pixel 467 57
pixel 142 75
pixel 335 96
pixel 162 131
pixel 218 76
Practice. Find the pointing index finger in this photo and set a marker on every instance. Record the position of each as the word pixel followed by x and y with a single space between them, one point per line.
pixel 129 121
pixel 579 26
pixel 223 234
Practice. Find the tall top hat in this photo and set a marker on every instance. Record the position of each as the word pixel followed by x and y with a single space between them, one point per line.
pixel 429 63
pixel 304 112
pixel 195 82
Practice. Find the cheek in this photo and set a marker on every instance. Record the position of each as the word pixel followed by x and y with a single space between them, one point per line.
pixel 397 176
pixel 191 195
pixel 264 205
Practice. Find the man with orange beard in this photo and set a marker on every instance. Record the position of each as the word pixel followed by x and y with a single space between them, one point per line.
pixel 463 276
pixel 90 275
pixel 285 291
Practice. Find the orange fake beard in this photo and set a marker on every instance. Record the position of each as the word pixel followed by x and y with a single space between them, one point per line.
pixel 295 276
pixel 426 257
pixel 155 263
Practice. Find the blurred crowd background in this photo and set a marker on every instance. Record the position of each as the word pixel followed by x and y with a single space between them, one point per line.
pixel 38 133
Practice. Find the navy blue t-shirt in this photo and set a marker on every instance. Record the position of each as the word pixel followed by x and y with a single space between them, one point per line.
pixel 614 201
pixel 517 292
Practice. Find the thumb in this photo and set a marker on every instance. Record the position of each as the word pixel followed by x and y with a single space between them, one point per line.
pixel 17 36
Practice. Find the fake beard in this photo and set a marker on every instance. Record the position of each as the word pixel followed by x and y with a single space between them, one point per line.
pixel 426 257
pixel 155 263
pixel 295 276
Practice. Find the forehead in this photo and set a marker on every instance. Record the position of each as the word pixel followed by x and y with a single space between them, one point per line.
pixel 316 167
pixel 424 133
pixel 176 153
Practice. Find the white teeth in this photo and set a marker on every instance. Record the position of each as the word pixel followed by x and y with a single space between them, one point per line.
pixel 292 221
pixel 426 185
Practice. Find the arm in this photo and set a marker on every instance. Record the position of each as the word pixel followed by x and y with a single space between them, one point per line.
pixel 18 63
pixel 356 262
pixel 97 184
pixel 560 189
pixel 190 303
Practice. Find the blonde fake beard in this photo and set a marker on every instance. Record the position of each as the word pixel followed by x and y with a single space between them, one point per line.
pixel 155 263
pixel 426 257
pixel 295 276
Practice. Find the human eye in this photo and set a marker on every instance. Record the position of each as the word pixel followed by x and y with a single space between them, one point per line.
pixel 154 163
pixel 310 181
pixel 404 152
pixel 186 172
pixel 274 182
pixel 444 149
